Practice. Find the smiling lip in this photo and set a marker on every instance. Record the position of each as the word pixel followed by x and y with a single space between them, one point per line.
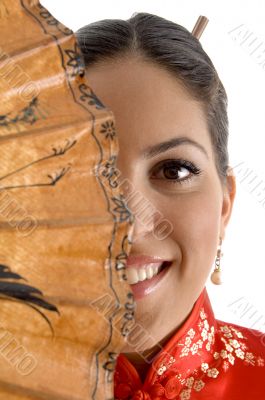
pixel 139 261
pixel 143 288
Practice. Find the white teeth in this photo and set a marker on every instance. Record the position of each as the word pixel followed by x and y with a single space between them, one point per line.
pixel 141 274
pixel 149 272
pixel 135 275
pixel 132 275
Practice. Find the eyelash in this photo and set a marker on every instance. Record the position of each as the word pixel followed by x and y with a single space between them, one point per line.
pixel 179 163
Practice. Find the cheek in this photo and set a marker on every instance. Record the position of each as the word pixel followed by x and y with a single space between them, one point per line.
pixel 196 222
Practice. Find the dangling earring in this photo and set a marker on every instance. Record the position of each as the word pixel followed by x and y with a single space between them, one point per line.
pixel 216 277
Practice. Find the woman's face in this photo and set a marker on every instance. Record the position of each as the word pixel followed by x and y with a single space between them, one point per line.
pixel 151 107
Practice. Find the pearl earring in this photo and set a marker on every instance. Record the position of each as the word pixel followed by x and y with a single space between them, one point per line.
pixel 216 277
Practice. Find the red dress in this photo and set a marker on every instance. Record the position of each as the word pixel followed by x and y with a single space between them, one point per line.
pixel 205 359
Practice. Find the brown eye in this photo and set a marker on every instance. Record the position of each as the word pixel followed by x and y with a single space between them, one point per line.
pixel 175 171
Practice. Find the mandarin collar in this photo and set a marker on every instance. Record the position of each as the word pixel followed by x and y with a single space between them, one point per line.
pixel 182 355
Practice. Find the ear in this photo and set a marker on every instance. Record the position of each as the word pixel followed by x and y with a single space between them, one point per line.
pixel 229 190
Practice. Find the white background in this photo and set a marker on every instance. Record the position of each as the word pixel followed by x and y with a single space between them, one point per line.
pixel 239 57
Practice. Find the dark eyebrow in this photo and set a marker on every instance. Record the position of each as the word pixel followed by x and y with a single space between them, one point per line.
pixel 152 151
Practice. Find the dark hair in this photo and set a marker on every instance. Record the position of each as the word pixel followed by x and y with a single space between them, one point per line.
pixel 160 41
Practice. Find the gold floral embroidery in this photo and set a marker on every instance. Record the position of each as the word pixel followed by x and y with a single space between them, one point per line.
pixel 260 362
pixel 207 335
pixel 185 394
pixel 204 367
pixel 233 348
pixel 212 372
pixel 198 385
pixel 166 365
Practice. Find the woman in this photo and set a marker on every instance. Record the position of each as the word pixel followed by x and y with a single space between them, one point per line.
pixel 170 109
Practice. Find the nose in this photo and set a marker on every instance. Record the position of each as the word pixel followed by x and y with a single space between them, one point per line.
pixel 144 212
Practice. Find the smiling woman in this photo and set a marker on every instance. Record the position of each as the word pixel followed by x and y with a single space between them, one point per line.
pixel 170 109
